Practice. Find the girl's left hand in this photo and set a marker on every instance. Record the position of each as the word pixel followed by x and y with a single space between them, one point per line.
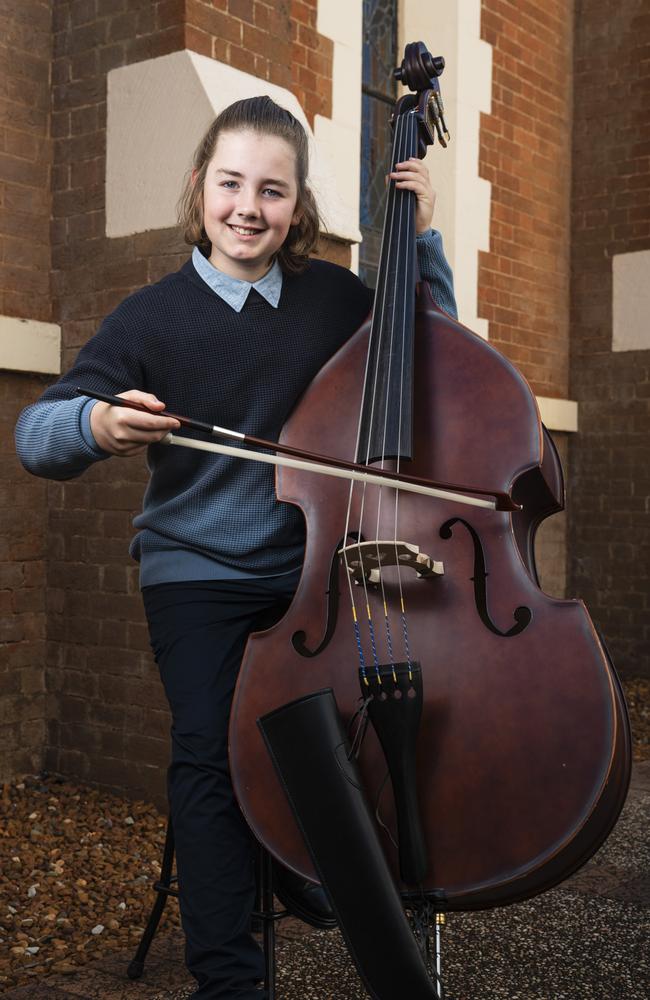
pixel 412 175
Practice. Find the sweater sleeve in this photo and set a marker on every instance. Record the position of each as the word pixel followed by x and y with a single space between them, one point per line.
pixel 53 435
pixel 435 269
pixel 52 441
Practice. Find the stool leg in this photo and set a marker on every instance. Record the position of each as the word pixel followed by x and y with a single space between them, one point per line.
pixel 269 918
pixel 267 913
pixel 163 889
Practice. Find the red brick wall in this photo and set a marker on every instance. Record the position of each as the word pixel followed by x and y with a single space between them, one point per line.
pixel 525 153
pixel 109 721
pixel 108 717
pixel 23 547
pixel 610 486
pixel 25 50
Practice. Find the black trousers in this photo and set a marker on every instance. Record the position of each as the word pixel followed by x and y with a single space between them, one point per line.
pixel 198 632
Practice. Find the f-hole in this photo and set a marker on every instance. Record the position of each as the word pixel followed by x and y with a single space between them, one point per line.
pixel 333 595
pixel 522 615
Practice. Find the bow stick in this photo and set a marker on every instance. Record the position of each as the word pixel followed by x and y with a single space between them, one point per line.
pixel 311 461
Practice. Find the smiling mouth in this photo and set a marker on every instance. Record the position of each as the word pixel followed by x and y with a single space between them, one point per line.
pixel 245 230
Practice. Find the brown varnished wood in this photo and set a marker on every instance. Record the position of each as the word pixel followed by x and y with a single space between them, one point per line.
pixel 523 754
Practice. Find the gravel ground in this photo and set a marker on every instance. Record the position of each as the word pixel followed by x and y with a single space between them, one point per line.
pixel 77 866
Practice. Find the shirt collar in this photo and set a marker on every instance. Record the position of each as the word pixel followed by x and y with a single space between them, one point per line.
pixel 235 291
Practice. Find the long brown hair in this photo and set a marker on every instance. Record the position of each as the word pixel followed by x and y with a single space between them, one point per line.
pixel 256 114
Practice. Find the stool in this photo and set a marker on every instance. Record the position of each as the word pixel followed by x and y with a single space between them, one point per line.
pixel 264 912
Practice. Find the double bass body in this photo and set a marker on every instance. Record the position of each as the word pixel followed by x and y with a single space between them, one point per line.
pixel 523 749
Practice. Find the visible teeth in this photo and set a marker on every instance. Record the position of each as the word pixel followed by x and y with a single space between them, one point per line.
pixel 245 232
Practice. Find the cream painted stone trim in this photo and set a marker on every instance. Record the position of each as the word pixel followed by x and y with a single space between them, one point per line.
pixel 631 301
pixel 28 345
pixel 558 414
pixel 463 204
pixel 157 112
pixel 339 137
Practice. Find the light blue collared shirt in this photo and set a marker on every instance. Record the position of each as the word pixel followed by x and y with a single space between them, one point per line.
pixel 235 291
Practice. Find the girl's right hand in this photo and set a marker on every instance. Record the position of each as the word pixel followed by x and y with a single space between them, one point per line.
pixel 122 431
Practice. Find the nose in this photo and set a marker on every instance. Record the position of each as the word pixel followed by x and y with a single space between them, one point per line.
pixel 247 204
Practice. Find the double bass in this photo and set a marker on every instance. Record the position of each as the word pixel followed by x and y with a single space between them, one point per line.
pixel 510 757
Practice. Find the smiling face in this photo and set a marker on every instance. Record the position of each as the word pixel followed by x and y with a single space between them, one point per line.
pixel 250 194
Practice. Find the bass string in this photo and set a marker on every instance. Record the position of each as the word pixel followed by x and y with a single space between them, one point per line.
pixel 379 322
pixel 405 236
pixel 376 327
pixel 376 334
pixel 410 222
pixel 386 314
pixel 405 129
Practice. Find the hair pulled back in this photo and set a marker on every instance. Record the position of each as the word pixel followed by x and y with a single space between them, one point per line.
pixel 262 115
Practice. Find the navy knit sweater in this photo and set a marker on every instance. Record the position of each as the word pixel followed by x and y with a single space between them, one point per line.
pixel 182 342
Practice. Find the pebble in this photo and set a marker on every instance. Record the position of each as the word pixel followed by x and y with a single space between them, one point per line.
pixel 66 968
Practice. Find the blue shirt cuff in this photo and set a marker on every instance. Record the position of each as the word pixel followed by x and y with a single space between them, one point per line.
pixel 435 269
pixel 84 426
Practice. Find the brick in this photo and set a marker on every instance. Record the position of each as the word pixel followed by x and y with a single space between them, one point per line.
pixel 83 11
pixel 153 46
pixel 110 57
pixel 299 55
pixel 259 42
pixel 280 75
pixel 87 36
pixel 169 13
pixel 30 599
pixel 198 41
pixel 304 13
pixel 319 63
pixel 306 78
pixel 29 118
pixel 27 146
pixel 239 58
pixel 244 10
pixel 79 93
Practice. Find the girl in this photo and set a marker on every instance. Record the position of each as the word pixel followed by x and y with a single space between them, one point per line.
pixel 235 336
